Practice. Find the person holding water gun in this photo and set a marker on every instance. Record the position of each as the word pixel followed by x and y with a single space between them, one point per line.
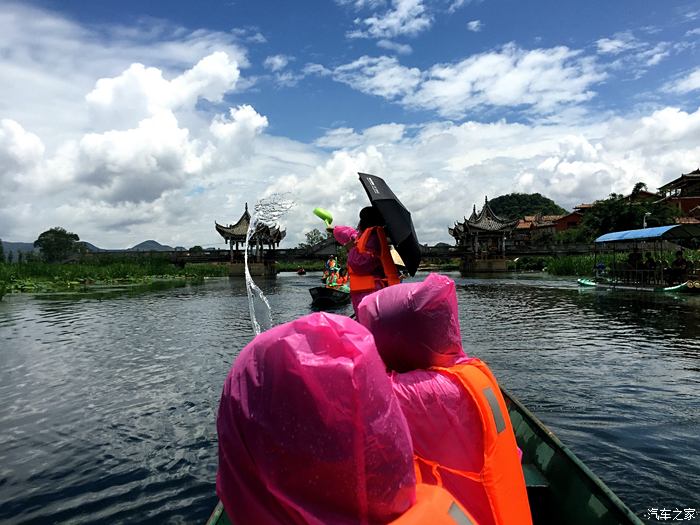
pixel 370 265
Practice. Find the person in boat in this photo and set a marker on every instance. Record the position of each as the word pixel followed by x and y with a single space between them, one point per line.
pixel 679 269
pixel 332 279
pixel 310 432
pixel 649 268
pixel 331 263
pixel 370 265
pixel 462 435
pixel 342 278
pixel 634 263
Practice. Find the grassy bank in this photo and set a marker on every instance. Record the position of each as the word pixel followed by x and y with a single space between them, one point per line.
pixel 44 277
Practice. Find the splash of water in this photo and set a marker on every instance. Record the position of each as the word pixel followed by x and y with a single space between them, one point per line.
pixel 267 212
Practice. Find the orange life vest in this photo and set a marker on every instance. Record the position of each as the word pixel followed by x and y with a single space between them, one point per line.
pixel 362 283
pixel 501 475
pixel 434 505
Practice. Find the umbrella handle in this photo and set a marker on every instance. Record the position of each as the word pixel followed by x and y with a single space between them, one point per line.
pixel 324 215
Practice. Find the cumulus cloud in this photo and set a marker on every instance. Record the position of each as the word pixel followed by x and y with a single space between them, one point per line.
pixel 406 17
pixel 142 91
pixel 20 152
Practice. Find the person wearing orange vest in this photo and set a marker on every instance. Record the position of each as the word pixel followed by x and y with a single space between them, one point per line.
pixel 462 435
pixel 369 264
pixel 310 432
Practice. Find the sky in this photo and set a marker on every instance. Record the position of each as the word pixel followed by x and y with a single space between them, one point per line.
pixel 127 121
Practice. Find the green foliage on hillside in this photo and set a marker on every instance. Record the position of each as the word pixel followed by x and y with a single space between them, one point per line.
pixel 616 213
pixel 517 205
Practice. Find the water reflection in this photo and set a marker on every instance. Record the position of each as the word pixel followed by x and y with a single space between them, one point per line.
pixel 109 403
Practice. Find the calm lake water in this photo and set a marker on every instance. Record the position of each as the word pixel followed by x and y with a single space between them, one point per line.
pixel 109 401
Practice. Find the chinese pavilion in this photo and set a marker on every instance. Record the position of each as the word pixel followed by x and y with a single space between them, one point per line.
pixel 236 234
pixel 482 240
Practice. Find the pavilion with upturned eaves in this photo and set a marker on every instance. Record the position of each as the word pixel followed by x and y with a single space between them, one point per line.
pixel 482 240
pixel 264 236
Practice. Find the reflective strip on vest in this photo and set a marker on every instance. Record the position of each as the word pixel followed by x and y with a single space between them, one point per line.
pixel 435 506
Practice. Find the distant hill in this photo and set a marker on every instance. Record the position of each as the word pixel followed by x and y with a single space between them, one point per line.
pixel 150 246
pixel 517 205
pixel 145 246
pixel 91 247
pixel 17 247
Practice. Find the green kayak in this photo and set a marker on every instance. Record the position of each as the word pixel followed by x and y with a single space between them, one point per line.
pixel 560 488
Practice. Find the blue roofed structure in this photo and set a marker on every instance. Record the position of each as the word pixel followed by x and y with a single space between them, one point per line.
pixel 670 232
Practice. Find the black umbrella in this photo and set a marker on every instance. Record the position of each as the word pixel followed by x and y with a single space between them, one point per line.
pixel 397 218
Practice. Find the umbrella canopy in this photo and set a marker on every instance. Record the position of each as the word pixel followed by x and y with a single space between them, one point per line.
pixel 397 218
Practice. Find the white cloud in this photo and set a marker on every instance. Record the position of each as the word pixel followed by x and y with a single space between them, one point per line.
pixel 277 62
pixel 316 69
pixel 455 5
pixel 20 152
pixel 686 84
pixel 401 49
pixel 475 26
pixel 406 17
pixel 633 55
pixel 541 79
pixel 339 138
pixel 622 42
pixel 382 76
pixel 140 92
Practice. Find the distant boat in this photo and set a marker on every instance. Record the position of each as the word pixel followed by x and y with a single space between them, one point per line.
pixel 625 276
pixel 560 488
pixel 323 297
pixel 301 271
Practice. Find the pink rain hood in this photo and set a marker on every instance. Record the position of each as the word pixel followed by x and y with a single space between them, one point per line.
pixel 310 430
pixel 415 325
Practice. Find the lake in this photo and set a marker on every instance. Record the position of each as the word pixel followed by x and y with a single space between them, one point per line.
pixel 109 399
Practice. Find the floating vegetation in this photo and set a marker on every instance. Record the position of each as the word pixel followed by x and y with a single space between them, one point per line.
pixel 43 278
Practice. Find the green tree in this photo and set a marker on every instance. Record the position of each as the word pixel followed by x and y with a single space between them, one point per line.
pixel 312 238
pixel 196 249
pixel 517 205
pixel 10 257
pixel 2 253
pixel 616 213
pixel 56 244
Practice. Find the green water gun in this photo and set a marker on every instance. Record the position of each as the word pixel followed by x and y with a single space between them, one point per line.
pixel 324 215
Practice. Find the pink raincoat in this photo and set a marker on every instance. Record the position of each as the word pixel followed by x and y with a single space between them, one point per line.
pixel 416 326
pixel 310 430
pixel 363 263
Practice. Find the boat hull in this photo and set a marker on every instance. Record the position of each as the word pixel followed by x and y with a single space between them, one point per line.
pixel 690 286
pixel 322 297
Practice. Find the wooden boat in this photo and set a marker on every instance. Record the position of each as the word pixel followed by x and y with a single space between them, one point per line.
pixel 690 286
pixel 560 488
pixel 635 277
pixel 323 297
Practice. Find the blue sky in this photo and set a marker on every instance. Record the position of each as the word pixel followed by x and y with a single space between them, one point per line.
pixel 123 121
